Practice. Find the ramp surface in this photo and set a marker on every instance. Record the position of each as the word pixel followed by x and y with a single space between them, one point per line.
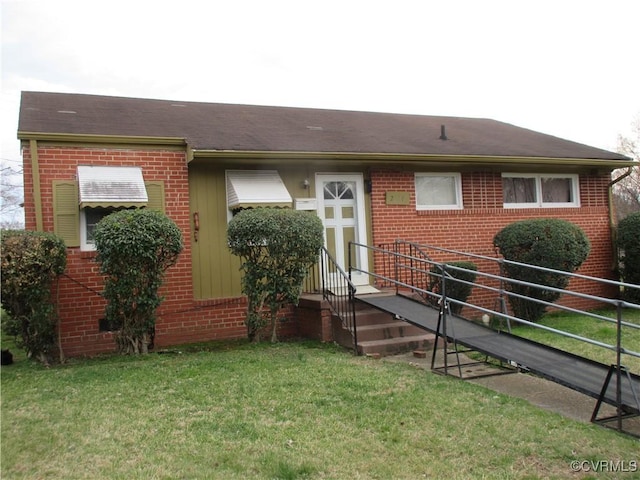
pixel 573 371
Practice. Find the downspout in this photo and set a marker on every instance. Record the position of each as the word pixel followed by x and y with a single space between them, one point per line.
pixel 612 218
pixel 37 193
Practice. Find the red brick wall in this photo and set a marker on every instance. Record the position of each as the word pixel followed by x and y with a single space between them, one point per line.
pixel 180 318
pixel 472 229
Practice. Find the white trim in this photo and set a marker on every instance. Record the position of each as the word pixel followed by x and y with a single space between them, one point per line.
pixel 457 205
pixel 361 219
pixel 85 245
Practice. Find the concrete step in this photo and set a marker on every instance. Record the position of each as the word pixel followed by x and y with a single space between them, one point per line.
pixel 371 316
pixel 381 331
pixel 394 346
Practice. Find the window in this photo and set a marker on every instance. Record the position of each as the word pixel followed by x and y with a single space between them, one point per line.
pixel 104 190
pixel 540 191
pixel 438 191
pixel 88 221
pixel 70 216
pixel 89 218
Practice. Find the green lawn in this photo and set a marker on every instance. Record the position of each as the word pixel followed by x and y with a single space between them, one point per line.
pixel 588 327
pixel 291 410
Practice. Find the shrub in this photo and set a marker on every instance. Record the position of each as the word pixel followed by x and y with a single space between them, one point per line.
pixel 550 243
pixel 629 248
pixel 135 248
pixel 31 261
pixel 454 289
pixel 277 247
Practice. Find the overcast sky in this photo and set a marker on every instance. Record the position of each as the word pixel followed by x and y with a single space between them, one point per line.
pixel 563 67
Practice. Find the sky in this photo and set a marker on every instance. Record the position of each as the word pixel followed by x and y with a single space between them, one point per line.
pixel 569 68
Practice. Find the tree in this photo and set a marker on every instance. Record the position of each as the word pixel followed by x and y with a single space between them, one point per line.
pixel 31 261
pixel 135 248
pixel 629 248
pixel 545 242
pixel 10 198
pixel 626 192
pixel 277 247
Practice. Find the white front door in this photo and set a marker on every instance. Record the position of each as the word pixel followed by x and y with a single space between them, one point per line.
pixel 340 200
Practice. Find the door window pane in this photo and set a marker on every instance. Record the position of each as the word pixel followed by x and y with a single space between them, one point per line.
pixel 348 235
pixel 328 213
pixel 338 190
pixel 348 212
pixel 331 241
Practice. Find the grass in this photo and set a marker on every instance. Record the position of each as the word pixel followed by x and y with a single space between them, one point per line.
pixel 284 411
pixel 591 328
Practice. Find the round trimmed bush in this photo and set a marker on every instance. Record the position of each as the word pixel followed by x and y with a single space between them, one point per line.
pixel 277 246
pixel 135 248
pixel 31 261
pixel 456 289
pixel 546 242
pixel 629 248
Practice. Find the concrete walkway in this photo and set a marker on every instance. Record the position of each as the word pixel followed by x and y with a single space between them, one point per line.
pixel 537 391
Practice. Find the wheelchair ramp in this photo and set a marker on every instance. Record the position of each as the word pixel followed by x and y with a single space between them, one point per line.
pixel 575 372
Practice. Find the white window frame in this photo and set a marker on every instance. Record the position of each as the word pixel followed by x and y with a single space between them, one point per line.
pixel 85 244
pixel 457 205
pixel 111 188
pixel 540 203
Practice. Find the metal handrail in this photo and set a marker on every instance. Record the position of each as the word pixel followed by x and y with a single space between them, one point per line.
pixel 336 282
pixel 534 267
pixel 401 280
pixel 415 262
pixel 402 262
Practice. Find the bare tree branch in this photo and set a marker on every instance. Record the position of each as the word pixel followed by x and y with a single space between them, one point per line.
pixel 11 196
pixel 626 192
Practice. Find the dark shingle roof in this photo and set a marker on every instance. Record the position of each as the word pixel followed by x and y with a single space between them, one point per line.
pixel 214 126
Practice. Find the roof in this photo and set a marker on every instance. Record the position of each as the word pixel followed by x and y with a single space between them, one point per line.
pixel 251 128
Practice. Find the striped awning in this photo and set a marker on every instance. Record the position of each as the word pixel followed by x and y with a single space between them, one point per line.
pixel 256 188
pixel 108 186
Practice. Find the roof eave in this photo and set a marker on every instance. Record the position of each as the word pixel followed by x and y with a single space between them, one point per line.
pixel 405 158
pixel 93 138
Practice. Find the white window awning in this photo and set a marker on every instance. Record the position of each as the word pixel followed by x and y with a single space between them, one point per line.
pixel 256 188
pixel 107 186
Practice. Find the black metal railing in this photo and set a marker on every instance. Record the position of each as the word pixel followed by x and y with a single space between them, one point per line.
pixel 411 267
pixel 339 292
pixel 408 267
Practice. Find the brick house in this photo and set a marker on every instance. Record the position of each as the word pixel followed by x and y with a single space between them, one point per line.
pixel 371 177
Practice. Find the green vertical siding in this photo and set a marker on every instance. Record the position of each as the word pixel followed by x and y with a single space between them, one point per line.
pixel 216 272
